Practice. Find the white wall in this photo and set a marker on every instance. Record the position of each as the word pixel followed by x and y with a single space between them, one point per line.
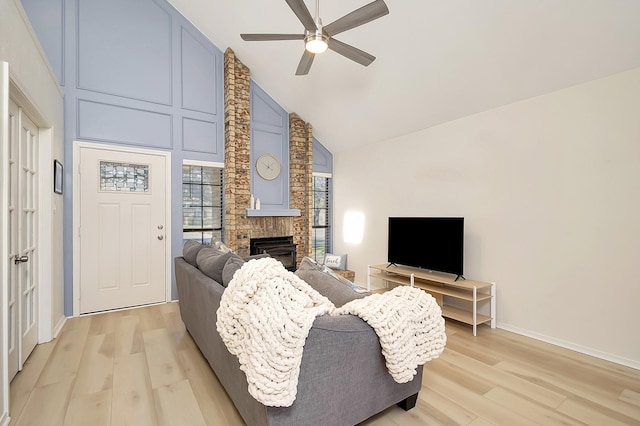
pixel 34 85
pixel 550 191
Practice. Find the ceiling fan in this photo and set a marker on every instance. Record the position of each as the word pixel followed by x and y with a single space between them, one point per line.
pixel 318 38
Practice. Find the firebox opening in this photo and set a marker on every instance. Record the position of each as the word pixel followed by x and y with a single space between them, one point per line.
pixel 280 248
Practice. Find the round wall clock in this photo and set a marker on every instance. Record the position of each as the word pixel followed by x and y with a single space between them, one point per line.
pixel 268 167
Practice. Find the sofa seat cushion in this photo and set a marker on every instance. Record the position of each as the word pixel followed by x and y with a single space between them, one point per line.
pixel 335 288
pixel 211 262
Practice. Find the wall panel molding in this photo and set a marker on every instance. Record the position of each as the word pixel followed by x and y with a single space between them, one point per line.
pixel 119 56
pixel 199 135
pixel 199 75
pixel 105 122
pixel 322 158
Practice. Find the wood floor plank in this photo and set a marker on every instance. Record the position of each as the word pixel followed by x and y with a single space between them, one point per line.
pixel 128 336
pixel 593 415
pixel 631 397
pixel 95 373
pixel 164 368
pixel 500 378
pixel 47 404
pixel 216 406
pixel 132 398
pixel 176 405
pixel 471 382
pixel 24 382
pixel 65 358
pixel 528 408
pixel 577 386
pixel 442 409
pixel 151 317
pixel 93 409
pixel 103 324
pixel 496 413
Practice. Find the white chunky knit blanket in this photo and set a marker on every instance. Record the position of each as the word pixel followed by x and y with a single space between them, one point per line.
pixel 266 313
pixel 409 324
pixel 264 318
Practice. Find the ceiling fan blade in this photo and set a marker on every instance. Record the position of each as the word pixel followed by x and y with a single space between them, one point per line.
pixel 366 13
pixel 301 11
pixel 271 37
pixel 351 52
pixel 305 63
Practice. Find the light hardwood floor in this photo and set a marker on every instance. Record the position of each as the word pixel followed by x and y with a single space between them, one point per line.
pixel 140 367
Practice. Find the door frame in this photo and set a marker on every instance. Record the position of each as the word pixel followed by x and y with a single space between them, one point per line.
pixel 47 207
pixel 77 146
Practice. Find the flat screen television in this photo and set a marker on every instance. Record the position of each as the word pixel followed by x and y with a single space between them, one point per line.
pixel 433 243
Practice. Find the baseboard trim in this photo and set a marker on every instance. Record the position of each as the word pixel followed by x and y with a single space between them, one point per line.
pixel 58 328
pixel 5 419
pixel 572 346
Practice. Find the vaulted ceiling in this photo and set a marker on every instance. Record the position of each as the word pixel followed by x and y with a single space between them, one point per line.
pixel 437 60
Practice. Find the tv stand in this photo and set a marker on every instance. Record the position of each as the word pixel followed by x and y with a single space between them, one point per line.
pixel 459 276
pixel 459 300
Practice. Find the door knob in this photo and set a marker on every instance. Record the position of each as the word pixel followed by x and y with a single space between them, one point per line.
pixel 21 259
pixel 160 237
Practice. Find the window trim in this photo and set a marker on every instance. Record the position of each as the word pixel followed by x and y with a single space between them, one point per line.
pixel 200 163
pixel 329 227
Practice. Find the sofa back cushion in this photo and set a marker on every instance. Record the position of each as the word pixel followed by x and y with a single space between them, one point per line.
pixel 211 262
pixel 234 263
pixel 331 286
pixel 190 251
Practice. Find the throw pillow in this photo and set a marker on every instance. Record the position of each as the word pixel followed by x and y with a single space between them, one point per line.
pixel 211 262
pixel 327 284
pixel 336 261
pixel 190 251
pixel 234 263
pixel 220 246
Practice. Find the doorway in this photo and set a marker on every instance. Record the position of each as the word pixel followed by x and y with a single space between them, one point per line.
pixel 22 300
pixel 121 244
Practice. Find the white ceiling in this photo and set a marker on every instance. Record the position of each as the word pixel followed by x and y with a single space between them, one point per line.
pixel 437 60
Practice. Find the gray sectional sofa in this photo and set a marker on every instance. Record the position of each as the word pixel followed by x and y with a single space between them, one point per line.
pixel 343 378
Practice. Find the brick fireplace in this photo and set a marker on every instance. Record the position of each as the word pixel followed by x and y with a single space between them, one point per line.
pixel 239 228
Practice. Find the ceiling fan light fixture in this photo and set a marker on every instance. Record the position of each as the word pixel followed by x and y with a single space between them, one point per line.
pixel 316 43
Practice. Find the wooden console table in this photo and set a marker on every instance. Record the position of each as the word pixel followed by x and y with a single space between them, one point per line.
pixel 460 300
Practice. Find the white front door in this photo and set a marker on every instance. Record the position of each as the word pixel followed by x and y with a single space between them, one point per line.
pixel 23 241
pixel 122 229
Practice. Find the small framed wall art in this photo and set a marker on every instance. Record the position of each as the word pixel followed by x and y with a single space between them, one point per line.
pixel 57 177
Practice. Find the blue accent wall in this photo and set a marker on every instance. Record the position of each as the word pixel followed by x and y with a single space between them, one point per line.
pixel 322 158
pixel 135 73
pixel 269 135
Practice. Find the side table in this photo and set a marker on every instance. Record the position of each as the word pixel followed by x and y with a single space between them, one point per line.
pixel 350 275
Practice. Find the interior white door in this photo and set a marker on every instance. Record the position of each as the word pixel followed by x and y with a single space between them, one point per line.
pixel 122 229
pixel 23 239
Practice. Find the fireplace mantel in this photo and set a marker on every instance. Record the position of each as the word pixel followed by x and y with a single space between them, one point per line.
pixel 272 212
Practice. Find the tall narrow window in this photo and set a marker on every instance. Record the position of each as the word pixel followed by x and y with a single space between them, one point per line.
pixel 202 194
pixel 321 230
